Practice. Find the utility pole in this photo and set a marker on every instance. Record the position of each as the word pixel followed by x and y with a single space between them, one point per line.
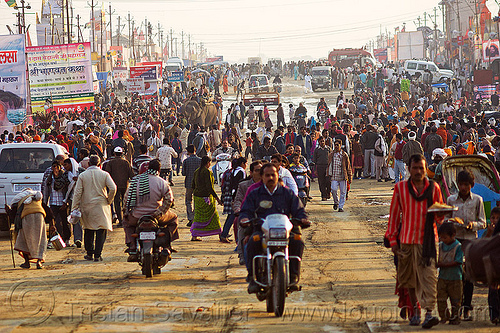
pixel 67 22
pixel 79 32
pixel 117 32
pixel 168 46
pixel 189 46
pixel 133 41
pixel 110 13
pixel 425 19
pixel 129 32
pixel 62 22
pixel 171 43
pixel 146 33
pixel 92 22
pixel 160 41
pixel 182 43
pixel 102 55
pixel 21 21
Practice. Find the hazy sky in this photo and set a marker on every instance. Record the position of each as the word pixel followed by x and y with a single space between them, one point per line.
pixel 238 29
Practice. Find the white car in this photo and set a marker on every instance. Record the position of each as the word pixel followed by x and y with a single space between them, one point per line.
pixel 22 166
pixel 420 66
pixel 258 82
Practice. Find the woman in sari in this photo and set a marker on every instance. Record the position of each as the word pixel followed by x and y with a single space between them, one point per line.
pixel 30 214
pixel 206 219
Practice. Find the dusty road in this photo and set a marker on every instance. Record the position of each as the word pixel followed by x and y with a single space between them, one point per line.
pixel 347 278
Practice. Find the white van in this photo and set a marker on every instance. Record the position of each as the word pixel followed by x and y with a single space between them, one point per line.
pixel 174 64
pixel 419 66
pixel 22 165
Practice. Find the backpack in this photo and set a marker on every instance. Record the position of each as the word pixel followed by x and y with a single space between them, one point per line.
pixel 226 181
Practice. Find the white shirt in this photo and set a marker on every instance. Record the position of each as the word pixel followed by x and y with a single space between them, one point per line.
pixel 288 180
pixel 164 154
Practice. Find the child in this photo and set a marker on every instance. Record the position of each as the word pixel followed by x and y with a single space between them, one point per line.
pixel 471 211
pixel 494 292
pixel 449 263
pixel 357 157
pixel 248 145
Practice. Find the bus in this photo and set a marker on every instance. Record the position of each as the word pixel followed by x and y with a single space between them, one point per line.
pixel 348 57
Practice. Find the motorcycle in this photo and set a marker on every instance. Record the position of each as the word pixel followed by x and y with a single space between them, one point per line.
pixel 271 270
pixel 252 123
pixel 223 163
pixel 153 243
pixel 277 87
pixel 299 173
pixel 323 115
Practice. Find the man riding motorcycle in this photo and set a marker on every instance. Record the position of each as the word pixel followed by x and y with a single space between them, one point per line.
pixel 225 148
pixel 272 198
pixel 322 104
pixel 148 194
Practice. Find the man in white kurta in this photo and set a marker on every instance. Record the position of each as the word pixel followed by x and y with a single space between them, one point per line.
pixel 94 193
pixel 308 83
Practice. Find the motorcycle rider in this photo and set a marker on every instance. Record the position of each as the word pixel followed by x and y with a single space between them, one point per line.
pixel 225 148
pixel 300 115
pixel 272 198
pixel 277 83
pixel 322 104
pixel 148 194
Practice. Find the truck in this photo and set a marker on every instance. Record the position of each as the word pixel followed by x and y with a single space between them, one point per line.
pixel 342 58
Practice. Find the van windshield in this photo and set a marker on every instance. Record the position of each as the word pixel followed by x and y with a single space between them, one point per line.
pixel 320 72
pixel 25 160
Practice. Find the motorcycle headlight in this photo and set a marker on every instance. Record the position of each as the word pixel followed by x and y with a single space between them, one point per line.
pixel 277 233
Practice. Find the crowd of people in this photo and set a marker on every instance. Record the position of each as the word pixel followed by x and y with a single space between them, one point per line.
pixel 123 155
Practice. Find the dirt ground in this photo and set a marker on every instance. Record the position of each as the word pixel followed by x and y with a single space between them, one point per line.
pixel 347 282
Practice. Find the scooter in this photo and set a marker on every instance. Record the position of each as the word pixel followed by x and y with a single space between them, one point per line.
pixel 299 173
pixel 271 270
pixel 153 243
pixel 223 163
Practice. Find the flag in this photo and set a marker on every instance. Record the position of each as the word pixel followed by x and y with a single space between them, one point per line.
pixel 28 38
pixel 11 3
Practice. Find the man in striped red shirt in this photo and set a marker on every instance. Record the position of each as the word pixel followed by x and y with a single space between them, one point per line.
pixel 412 242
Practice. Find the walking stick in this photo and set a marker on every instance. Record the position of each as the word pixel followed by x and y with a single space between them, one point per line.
pixel 10 231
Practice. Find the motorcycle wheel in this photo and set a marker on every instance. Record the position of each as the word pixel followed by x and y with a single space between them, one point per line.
pixel 147 265
pixel 279 286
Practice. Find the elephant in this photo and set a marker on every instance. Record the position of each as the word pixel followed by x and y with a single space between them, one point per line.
pixel 205 115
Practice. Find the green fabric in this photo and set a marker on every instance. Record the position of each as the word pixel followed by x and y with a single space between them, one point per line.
pixel 203 183
pixel 206 220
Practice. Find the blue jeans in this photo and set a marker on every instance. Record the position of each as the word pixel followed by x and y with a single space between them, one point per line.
pixel 227 225
pixel 336 185
pixel 399 170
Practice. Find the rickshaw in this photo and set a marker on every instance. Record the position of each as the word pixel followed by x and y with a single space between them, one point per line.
pixel 487 180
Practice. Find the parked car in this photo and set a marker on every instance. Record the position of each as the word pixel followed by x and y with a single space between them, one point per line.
pixel 22 166
pixel 258 82
pixel 422 67
pixel 321 77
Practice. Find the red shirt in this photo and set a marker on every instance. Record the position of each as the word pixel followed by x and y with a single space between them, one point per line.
pixel 248 142
pixel 409 214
